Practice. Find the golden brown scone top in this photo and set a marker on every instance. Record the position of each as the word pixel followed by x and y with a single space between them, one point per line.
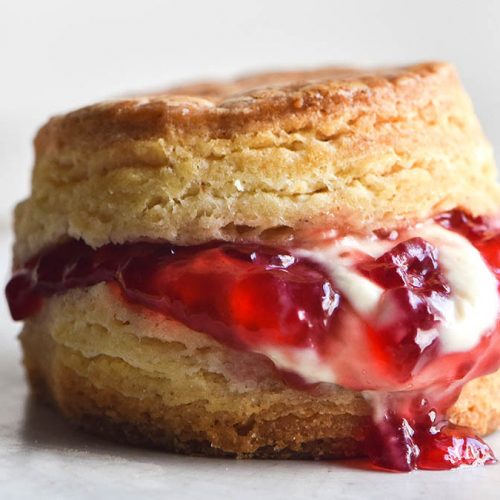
pixel 289 100
pixel 266 155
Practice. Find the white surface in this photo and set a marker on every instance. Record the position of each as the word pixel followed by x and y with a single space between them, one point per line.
pixel 56 55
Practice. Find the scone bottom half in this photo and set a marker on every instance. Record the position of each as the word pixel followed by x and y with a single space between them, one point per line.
pixel 270 272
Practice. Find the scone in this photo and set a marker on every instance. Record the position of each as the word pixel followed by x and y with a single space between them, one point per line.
pixel 288 265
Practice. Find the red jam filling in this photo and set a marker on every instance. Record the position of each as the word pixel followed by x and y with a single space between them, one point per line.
pixel 248 296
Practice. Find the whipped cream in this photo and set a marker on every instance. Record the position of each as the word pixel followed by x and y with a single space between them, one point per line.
pixel 473 307
pixel 304 362
pixel 338 258
pixel 469 313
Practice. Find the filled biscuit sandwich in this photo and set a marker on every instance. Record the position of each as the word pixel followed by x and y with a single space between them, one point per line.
pixel 289 265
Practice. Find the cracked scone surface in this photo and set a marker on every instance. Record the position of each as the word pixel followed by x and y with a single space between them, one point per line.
pixel 336 147
pixel 97 360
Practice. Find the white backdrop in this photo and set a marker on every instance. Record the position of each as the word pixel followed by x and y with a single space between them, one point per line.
pixel 57 54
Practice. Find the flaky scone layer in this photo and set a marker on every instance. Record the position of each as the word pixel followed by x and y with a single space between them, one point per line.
pixel 337 147
pixel 127 373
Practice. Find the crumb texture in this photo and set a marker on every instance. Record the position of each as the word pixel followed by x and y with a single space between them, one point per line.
pixel 123 373
pixel 260 158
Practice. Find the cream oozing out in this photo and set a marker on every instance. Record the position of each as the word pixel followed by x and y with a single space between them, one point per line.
pixel 470 312
pixel 474 306
pixel 304 362
pixel 338 258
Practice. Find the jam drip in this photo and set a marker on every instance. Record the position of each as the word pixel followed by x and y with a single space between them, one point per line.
pixel 421 438
pixel 253 297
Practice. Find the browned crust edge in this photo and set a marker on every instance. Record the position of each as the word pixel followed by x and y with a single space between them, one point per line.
pixel 81 403
pixel 267 101
pixel 109 414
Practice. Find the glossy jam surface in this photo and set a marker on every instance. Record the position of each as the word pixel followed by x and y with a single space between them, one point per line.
pixel 424 441
pixel 258 298
pixel 240 294
pixel 414 288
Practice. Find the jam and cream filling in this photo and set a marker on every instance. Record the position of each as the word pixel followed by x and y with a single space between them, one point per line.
pixel 466 313
pixel 406 317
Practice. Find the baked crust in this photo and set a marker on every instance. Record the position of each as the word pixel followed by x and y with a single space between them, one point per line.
pixel 260 158
pixel 125 374
pixel 267 158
